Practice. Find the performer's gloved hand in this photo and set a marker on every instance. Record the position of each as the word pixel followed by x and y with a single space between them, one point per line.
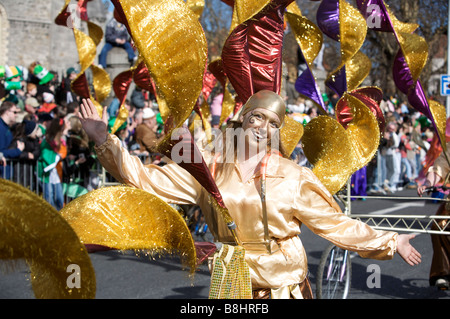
pixel 94 126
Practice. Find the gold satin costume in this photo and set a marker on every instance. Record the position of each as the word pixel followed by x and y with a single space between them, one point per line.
pixel 295 196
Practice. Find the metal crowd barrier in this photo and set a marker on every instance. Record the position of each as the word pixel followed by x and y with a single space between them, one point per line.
pixel 25 173
pixel 427 223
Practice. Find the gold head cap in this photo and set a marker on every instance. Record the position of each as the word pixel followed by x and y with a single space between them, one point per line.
pixel 264 99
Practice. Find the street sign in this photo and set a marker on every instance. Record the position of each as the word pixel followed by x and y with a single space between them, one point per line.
pixel 445 85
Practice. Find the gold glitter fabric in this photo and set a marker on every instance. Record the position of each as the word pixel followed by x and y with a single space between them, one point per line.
pixel 87 51
pixel 363 131
pixel 101 82
pixel 307 34
pixel 32 230
pixel 440 117
pixel 172 43
pixel 196 6
pixel 353 30
pixel 290 134
pixel 170 39
pixel 244 10
pixel 125 218
pixel 230 277
pixel 336 153
pixel 328 148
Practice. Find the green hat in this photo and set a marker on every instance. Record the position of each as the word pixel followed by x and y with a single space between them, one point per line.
pixel 42 74
pixel 70 71
pixel 111 122
pixel 13 85
pixel 12 71
pixel 159 119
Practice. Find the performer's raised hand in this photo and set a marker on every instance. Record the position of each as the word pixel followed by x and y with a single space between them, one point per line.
pixel 95 127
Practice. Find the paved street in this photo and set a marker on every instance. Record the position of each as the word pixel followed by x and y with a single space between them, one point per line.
pixel 123 275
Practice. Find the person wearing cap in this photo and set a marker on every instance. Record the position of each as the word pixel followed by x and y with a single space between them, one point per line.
pixel 146 132
pixel 121 132
pixel 67 95
pixel 31 107
pixel 295 196
pixel 48 104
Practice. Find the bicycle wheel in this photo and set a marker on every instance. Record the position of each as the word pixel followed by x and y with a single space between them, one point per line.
pixel 334 274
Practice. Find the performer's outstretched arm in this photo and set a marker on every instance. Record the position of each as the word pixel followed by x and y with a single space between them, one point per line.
pixel 171 183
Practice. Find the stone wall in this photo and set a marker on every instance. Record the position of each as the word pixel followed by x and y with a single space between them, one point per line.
pixel 31 34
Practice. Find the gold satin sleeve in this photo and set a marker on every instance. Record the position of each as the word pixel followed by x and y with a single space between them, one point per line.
pixel 171 183
pixel 315 208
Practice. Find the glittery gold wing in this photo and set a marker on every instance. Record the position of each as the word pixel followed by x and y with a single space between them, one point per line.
pixel 291 134
pixel 34 231
pixel 337 152
pixel 87 51
pixel 246 9
pixel 343 23
pixel 172 43
pixel 127 218
pixel 363 131
pixel 328 148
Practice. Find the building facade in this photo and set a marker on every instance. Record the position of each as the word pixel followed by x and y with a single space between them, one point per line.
pixel 28 33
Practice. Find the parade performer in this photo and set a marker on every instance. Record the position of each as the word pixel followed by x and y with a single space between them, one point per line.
pixel 440 266
pixel 295 196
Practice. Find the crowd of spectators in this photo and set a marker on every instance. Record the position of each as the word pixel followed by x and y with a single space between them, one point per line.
pixel 40 127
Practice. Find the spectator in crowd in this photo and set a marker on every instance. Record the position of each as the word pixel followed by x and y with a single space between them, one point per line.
pixel 50 167
pixel 65 93
pixel 121 132
pixel 79 158
pixel 291 93
pixel 31 107
pixel 138 99
pixel 298 106
pixel 113 107
pixel 48 104
pixel 29 133
pixel 405 146
pixel 8 113
pixel 72 108
pixel 393 157
pixel 31 90
pixel 116 35
pixel 146 133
